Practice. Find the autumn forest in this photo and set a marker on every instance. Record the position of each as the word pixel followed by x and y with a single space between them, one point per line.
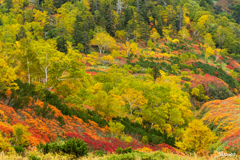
pixel 119 79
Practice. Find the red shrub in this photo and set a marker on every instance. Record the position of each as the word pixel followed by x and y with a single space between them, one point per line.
pixel 229 67
pixel 92 73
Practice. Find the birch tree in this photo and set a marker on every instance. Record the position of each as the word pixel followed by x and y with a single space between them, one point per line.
pixel 184 33
pixel 103 41
pixel 25 58
pixel 47 55
pixel 134 98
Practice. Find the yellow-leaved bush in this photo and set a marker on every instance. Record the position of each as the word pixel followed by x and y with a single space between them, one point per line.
pixel 21 135
pixel 126 138
pixel 197 137
pixel 4 144
pixel 116 128
pixel 145 150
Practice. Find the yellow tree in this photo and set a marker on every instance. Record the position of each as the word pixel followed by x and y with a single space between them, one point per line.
pixel 103 41
pixel 36 28
pixel 67 16
pixel 17 6
pixel 20 135
pixel 131 47
pixel 66 71
pixel 73 69
pixel 86 3
pixel 116 128
pixel 197 137
pixel 234 74
pixel 49 6
pixel 5 144
pixel 7 75
pixel 217 53
pixel 168 107
pixel 2 2
pixel 115 53
pixel 91 58
pixel 154 35
pixel 136 35
pixel 47 56
pixel 26 59
pixel 168 14
pixel 156 115
pixel 120 34
pixel 106 105
pixel 208 41
pixel 184 33
pixel 150 44
pixel 179 112
pixel 186 19
pixel 202 23
pixel 209 45
pixel 134 98
pixel 166 32
pixel 40 17
pixel 108 58
pixel 209 52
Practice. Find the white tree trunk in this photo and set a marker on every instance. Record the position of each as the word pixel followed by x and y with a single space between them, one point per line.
pixel 46 75
pixel 100 49
pixel 152 125
pixel 137 6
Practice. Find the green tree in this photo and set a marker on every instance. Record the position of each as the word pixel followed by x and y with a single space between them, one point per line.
pixel 234 47
pixel 77 29
pixel 116 128
pixel 150 44
pixel 184 58
pixel 21 34
pixel 62 44
pixel 220 36
pixel 68 71
pixel 106 105
pixel 20 135
pixel 81 31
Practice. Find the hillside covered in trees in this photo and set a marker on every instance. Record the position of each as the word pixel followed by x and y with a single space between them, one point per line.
pixel 119 79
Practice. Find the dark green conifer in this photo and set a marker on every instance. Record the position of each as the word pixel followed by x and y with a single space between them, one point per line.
pixel 62 44
pixel 21 34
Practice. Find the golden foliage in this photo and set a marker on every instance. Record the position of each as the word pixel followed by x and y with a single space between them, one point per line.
pixel 145 150
pixel 197 137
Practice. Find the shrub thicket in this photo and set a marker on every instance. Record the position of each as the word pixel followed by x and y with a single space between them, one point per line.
pixel 74 147
pixel 21 97
pixel 124 151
